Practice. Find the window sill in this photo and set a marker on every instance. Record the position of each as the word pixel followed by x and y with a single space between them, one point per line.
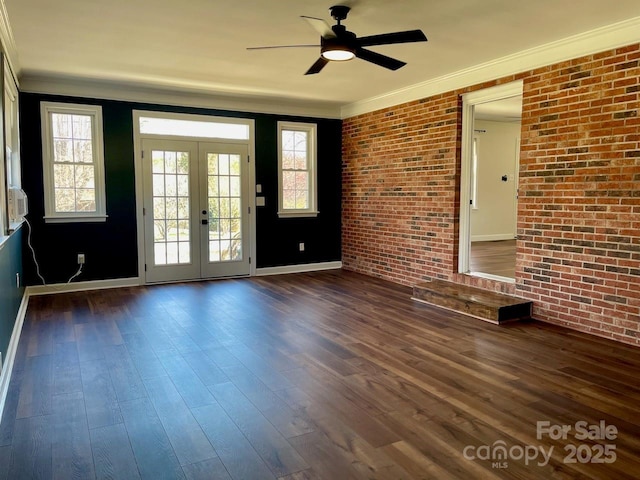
pixel 298 214
pixel 12 228
pixel 76 219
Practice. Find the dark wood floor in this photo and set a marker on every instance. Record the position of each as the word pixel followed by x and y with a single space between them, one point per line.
pixel 497 258
pixel 328 375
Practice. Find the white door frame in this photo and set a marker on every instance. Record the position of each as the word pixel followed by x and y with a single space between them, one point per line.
pixel 469 101
pixel 139 179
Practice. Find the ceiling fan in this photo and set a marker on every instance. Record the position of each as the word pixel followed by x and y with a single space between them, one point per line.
pixel 338 44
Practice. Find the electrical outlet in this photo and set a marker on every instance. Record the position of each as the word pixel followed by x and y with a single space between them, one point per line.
pixel 81 259
pixel 301 246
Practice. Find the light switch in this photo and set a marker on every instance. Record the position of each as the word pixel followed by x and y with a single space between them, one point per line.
pixel 260 202
pixel 258 188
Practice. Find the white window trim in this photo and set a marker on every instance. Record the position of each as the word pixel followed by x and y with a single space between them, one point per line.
pixel 311 130
pixel 95 111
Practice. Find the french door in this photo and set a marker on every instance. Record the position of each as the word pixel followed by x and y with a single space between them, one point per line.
pixel 196 222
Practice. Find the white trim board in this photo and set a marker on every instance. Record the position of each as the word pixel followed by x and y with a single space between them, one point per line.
pixel 587 43
pixel 308 267
pixel 36 290
pixel 8 42
pixel 176 96
pixel 5 377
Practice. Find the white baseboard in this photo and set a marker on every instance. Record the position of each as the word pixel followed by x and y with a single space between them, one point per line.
pixel 493 238
pixel 308 267
pixel 5 376
pixel 83 286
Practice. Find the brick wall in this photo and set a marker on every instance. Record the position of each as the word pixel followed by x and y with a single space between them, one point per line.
pixel 579 210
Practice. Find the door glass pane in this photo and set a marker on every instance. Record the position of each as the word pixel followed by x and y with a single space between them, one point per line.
pixel 171 208
pixel 225 207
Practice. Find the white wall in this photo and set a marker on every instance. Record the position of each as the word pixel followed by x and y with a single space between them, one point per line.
pixel 495 215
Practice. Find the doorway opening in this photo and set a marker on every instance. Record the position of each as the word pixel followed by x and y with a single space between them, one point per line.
pixel 489 182
pixel 193 178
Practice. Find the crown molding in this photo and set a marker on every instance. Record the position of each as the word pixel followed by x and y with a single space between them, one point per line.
pixel 34 82
pixel 8 42
pixel 587 43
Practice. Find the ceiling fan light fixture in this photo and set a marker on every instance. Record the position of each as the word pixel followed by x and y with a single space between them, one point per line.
pixel 338 53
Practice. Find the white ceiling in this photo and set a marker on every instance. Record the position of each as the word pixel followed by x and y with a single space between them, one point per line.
pixel 201 44
pixel 504 110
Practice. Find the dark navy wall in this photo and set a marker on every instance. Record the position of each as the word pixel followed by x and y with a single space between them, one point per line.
pixel 10 293
pixel 111 247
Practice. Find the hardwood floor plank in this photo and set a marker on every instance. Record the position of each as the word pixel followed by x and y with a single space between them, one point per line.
pixel 159 340
pixel 364 458
pixel 36 387
pixel 143 356
pixel 211 469
pixel 31 448
pixel 188 441
pixel 191 389
pixel 287 421
pixel 88 342
pixel 5 461
pixel 236 453
pixel 66 369
pixel 63 329
pixel 316 375
pixel 41 338
pixel 112 453
pixel 317 406
pixel 151 447
pixel 269 376
pixel 124 376
pixel 325 458
pixel 279 456
pixel 185 344
pixel 11 402
pixel 494 257
pixel 71 447
pixel 99 395
pixel 208 372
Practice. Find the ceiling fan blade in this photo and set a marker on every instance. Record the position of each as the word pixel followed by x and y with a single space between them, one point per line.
pixel 320 26
pixel 282 46
pixel 316 67
pixel 378 59
pixel 388 38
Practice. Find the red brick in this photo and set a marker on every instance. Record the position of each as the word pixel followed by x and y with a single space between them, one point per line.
pixel 593 134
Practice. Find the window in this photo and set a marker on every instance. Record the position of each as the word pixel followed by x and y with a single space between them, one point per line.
pixel 12 140
pixel 193 128
pixel 73 163
pixel 297 169
pixel 10 174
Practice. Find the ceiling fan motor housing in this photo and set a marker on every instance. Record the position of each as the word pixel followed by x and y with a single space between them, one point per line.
pixel 339 12
pixel 344 41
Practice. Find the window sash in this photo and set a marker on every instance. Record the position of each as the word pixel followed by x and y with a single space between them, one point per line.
pixel 73 162
pixel 297 169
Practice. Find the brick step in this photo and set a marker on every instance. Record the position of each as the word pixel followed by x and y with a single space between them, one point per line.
pixel 489 306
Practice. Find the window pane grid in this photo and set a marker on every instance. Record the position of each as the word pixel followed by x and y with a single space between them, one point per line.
pixel 225 207
pixel 295 170
pixel 171 207
pixel 73 163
